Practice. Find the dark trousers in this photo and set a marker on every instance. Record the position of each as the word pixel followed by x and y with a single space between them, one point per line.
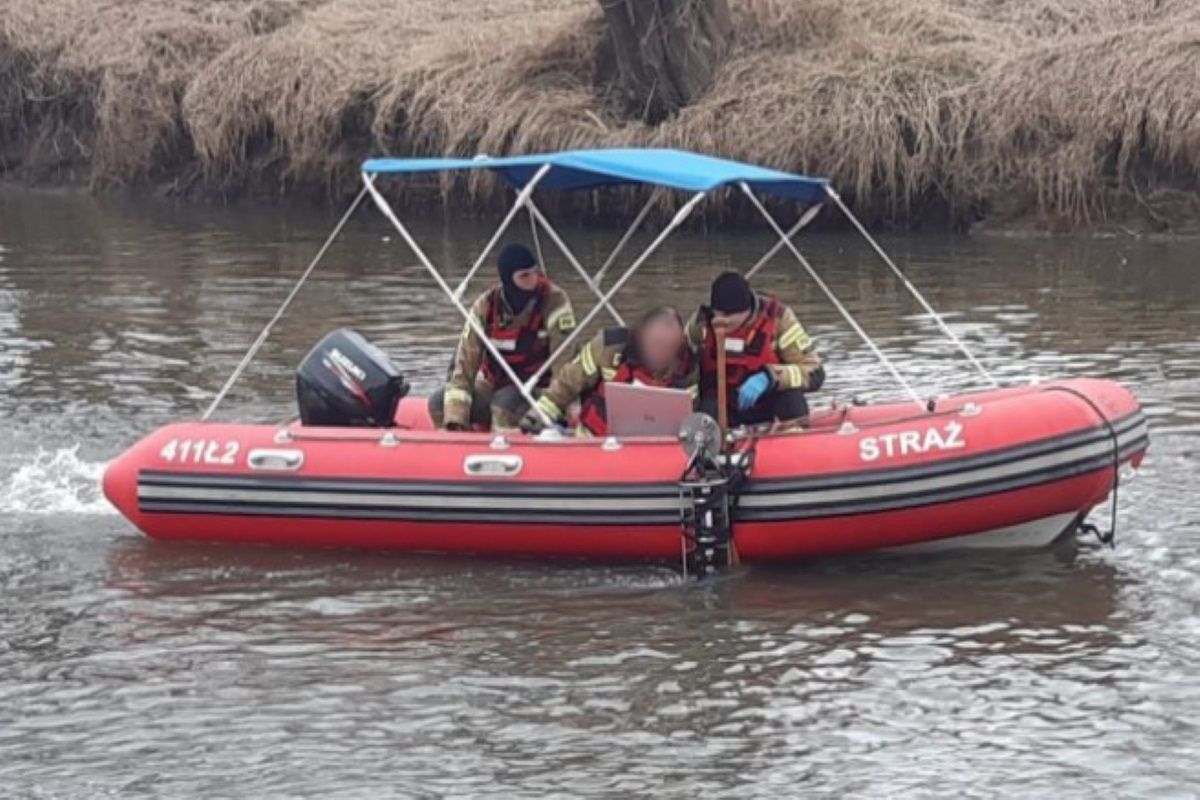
pixel 785 405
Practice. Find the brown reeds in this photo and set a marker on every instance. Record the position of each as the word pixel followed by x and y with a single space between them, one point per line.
pixel 1068 112
pixel 96 86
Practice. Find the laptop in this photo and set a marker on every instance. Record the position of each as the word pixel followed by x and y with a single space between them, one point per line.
pixel 636 410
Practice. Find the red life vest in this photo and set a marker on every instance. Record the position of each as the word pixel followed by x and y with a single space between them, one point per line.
pixel 754 348
pixel 525 346
pixel 593 414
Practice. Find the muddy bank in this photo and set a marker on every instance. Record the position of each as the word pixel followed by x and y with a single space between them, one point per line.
pixel 1045 113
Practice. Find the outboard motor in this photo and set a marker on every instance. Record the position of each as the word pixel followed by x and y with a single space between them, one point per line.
pixel 345 381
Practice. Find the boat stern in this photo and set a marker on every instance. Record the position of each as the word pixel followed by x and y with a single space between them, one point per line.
pixel 1119 412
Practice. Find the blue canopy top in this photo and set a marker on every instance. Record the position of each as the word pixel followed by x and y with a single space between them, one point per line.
pixel 590 169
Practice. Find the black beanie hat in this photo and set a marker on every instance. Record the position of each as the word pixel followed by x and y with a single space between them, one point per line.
pixel 731 294
pixel 514 258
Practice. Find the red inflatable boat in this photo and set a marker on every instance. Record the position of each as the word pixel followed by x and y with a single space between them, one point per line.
pixel 1005 467
pixel 1015 467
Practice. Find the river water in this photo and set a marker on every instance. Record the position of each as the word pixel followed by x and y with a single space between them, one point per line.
pixel 134 668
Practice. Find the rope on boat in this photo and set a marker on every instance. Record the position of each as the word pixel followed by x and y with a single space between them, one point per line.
pixel 266 331
pixel 912 289
pixel 787 242
pixel 1108 537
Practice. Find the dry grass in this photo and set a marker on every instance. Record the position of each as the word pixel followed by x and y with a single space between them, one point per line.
pixel 97 84
pixel 1076 112
pixel 1084 128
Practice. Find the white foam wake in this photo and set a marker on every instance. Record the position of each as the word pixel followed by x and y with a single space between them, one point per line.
pixel 54 482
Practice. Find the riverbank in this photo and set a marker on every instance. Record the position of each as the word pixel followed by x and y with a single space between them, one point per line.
pixel 1042 115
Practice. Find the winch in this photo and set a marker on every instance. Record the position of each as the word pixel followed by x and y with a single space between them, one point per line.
pixel 705 499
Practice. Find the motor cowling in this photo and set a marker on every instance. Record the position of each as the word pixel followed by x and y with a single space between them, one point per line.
pixel 345 381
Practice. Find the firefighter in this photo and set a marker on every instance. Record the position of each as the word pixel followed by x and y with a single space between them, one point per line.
pixel 770 362
pixel 526 318
pixel 654 353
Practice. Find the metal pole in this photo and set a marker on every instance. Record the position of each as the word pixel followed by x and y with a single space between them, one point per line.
pixel 637 222
pixel 540 219
pixel 522 198
pixel 537 242
pixel 802 223
pixel 908 285
pixel 832 297
pixel 680 215
pixel 266 331
pixel 386 210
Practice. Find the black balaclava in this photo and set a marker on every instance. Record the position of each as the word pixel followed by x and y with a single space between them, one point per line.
pixel 513 259
pixel 731 294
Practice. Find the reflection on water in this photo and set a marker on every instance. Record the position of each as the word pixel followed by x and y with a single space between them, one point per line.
pixel 132 667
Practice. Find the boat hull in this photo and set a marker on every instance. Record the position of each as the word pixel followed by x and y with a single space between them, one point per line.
pixel 1013 467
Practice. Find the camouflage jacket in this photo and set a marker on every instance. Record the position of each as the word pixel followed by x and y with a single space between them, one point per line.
pixel 799 365
pixel 557 323
pixel 597 361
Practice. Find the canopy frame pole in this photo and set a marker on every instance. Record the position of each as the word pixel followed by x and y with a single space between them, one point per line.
pixel 475 325
pixel 805 219
pixel 537 242
pixel 680 216
pixel 633 227
pixel 833 195
pixel 916 398
pixel 522 198
pixel 540 219
pixel 266 331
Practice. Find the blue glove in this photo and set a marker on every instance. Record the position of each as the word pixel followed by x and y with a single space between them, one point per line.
pixel 753 389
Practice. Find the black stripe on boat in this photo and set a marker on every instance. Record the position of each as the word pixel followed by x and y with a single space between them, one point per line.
pixel 807 508
pixel 637 504
pixel 458 489
pixel 1002 455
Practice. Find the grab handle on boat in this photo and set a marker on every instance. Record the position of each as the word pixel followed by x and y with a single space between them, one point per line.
pixel 276 459
pixel 493 466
